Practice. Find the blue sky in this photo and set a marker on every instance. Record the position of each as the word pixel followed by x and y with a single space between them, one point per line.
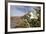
pixel 19 10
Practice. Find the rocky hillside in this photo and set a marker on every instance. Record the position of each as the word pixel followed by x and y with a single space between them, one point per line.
pixel 19 22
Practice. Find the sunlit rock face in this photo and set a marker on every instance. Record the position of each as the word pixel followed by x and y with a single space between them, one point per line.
pixel 33 14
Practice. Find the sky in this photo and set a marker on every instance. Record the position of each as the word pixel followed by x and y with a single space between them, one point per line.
pixel 20 10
